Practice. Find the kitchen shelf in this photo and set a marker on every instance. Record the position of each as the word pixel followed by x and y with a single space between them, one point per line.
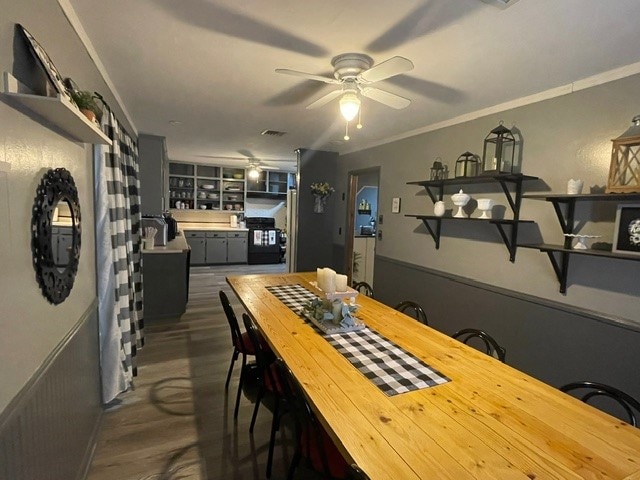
pixel 57 111
pixel 559 255
pixel 508 182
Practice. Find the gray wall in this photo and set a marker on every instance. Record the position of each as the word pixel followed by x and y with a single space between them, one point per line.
pixel 315 231
pixel 565 137
pixel 33 330
pixel 589 333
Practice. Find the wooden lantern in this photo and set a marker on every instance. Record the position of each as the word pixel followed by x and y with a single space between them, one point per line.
pixel 467 165
pixel 498 152
pixel 624 172
pixel 438 171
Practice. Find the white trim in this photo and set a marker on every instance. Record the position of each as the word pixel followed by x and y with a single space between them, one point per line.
pixel 76 24
pixel 592 81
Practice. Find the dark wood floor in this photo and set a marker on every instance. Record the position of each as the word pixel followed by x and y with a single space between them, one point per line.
pixel 178 421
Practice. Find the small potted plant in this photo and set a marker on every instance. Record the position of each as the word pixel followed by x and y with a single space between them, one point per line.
pixel 86 102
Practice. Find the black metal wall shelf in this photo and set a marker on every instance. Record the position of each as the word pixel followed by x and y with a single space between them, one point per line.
pixel 559 255
pixel 511 185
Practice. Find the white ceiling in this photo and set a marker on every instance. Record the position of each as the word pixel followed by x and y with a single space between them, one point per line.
pixel 210 63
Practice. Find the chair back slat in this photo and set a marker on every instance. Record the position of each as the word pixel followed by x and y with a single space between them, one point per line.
pixel 415 308
pixel 236 334
pixel 492 347
pixel 594 390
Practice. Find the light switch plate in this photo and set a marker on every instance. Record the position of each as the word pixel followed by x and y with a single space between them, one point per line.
pixel 395 205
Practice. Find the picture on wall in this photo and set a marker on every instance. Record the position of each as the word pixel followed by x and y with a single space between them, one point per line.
pixel 626 238
pixel 43 59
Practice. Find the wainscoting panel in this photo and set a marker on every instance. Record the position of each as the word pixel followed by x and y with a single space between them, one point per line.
pixel 49 430
pixel 554 344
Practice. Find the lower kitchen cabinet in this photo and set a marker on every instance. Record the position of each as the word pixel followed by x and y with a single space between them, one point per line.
pixel 217 247
pixel 237 247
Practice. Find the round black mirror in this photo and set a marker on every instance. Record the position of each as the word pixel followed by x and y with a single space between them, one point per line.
pixel 55 234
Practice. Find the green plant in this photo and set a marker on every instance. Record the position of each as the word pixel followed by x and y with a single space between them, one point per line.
pixel 356 261
pixel 86 100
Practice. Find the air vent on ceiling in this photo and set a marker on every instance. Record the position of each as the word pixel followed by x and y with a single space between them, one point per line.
pixel 500 3
pixel 273 133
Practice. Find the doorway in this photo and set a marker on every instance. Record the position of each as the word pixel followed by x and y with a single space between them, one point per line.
pixel 362 225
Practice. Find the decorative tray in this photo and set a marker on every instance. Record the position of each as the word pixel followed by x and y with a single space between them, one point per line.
pixel 208 187
pixel 350 293
pixel 330 328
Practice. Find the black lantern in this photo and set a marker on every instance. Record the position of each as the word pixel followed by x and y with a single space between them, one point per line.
pixel 624 171
pixel 438 171
pixel 467 165
pixel 499 151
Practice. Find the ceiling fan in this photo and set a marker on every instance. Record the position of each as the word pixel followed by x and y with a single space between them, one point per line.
pixel 254 168
pixel 355 73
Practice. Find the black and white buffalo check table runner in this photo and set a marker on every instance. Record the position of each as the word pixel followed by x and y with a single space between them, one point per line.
pixel 386 364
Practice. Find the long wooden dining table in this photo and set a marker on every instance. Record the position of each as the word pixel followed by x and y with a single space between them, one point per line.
pixel 489 421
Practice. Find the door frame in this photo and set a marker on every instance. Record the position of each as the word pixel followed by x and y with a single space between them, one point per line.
pixel 352 190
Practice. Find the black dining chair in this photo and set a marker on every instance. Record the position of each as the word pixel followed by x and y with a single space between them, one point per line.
pixel 356 473
pixel 415 309
pixel 591 390
pixel 268 382
pixel 241 346
pixel 312 440
pixel 492 347
pixel 363 287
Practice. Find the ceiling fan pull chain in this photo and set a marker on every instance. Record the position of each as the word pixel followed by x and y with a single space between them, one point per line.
pixel 346 131
pixel 359 125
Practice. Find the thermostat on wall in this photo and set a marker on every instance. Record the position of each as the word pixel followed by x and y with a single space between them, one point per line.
pixel 395 205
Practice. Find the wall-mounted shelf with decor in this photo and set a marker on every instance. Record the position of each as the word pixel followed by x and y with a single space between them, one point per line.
pixel 56 110
pixel 559 255
pixel 511 185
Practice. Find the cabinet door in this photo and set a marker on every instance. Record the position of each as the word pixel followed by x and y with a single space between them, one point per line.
pixel 237 249
pixel 216 250
pixel 197 242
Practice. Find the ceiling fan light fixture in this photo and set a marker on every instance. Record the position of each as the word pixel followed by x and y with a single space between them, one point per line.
pixel 349 106
pixel 253 173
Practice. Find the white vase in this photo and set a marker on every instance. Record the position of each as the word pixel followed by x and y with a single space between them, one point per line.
pixel 439 209
pixel 460 199
pixel 318 206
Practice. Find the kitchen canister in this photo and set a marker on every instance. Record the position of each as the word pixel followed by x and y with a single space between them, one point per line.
pixel 439 209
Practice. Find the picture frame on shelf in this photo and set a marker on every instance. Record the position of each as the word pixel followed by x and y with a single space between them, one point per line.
pixel 626 236
pixel 45 62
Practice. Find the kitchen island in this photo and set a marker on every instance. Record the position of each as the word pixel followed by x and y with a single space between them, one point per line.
pixel 165 279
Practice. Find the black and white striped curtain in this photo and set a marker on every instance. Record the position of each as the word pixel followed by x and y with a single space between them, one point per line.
pixel 118 257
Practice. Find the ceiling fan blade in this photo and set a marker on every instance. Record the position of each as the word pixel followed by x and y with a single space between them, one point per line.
pixel 388 68
pixel 325 99
pixel 386 98
pixel 308 76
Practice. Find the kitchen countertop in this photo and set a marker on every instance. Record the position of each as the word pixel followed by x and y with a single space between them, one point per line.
pixel 205 226
pixel 177 245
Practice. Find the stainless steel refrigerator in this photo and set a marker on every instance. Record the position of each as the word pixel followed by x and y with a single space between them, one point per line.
pixel 292 229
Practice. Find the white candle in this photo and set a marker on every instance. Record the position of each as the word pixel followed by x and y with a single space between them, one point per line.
pixel 330 280
pixel 319 273
pixel 341 283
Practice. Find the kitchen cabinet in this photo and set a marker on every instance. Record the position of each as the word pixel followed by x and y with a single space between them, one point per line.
pixel 220 247
pixel 511 184
pixel 237 247
pixel 564 206
pixel 152 151
pixel 271 184
pixel 195 186
pixel 216 247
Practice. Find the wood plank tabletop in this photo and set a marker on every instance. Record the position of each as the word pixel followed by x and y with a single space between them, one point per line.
pixel 489 421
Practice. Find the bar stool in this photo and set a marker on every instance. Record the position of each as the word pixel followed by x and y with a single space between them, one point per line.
pixel 593 389
pixel 364 287
pixel 418 312
pixel 492 347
